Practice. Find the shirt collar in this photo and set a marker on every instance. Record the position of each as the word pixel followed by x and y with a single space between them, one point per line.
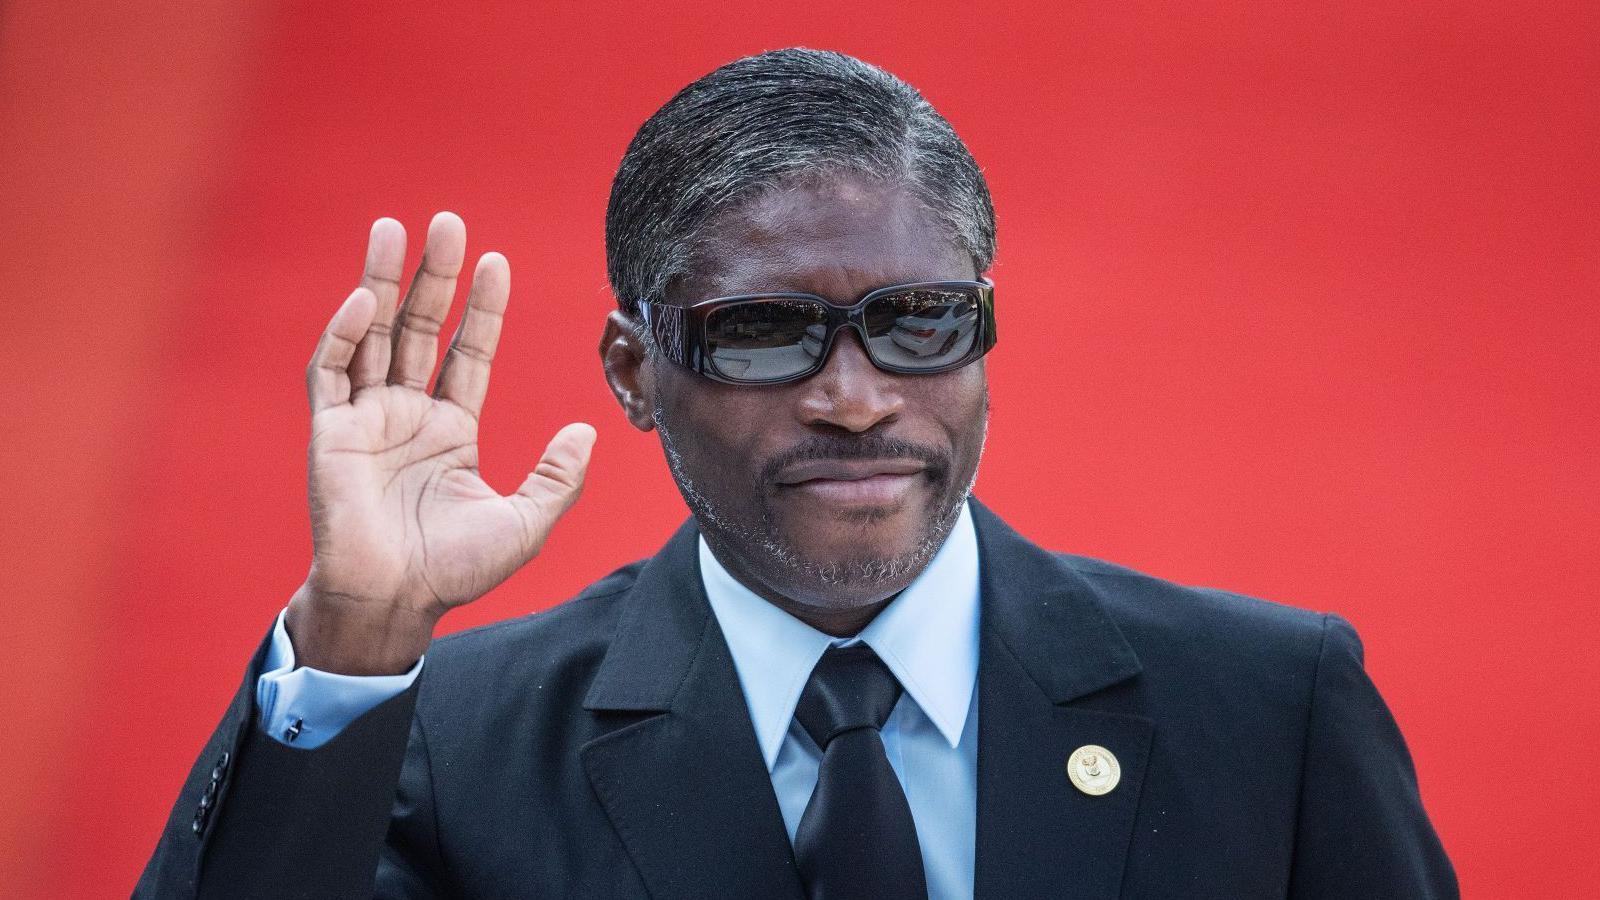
pixel 927 636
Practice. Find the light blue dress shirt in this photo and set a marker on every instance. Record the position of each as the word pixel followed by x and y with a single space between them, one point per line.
pixel 928 637
pixel 306 707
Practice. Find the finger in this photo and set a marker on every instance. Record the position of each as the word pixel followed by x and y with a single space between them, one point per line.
pixel 554 484
pixel 416 336
pixel 386 257
pixel 464 376
pixel 328 374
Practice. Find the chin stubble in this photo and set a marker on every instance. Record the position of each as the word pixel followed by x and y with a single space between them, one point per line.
pixel 851 573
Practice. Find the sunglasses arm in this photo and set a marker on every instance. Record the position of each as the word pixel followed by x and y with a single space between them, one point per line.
pixel 666 324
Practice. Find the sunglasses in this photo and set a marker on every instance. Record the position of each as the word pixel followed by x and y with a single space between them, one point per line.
pixel 913 329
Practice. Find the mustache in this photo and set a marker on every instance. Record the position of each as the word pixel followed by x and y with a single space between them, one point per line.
pixel 857 446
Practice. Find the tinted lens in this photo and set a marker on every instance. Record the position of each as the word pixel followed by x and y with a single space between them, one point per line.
pixel 922 328
pixel 765 340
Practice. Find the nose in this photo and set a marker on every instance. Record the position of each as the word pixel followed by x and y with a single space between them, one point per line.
pixel 850 392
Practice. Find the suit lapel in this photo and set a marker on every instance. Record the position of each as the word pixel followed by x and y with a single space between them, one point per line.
pixel 1045 644
pixel 684 783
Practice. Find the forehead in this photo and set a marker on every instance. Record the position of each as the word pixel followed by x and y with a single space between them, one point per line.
pixel 837 237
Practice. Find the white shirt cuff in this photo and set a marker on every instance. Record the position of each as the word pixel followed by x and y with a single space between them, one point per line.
pixel 305 708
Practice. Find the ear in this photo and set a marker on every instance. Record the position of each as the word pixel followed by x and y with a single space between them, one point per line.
pixel 623 356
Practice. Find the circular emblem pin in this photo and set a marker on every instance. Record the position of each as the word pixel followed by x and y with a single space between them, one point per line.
pixel 1093 769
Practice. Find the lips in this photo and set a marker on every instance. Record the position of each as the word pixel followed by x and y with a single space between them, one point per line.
pixel 852 482
pixel 810 470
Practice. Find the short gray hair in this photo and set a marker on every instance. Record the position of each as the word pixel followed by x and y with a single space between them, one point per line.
pixel 761 120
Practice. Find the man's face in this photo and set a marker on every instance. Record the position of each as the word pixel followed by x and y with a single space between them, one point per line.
pixel 831 493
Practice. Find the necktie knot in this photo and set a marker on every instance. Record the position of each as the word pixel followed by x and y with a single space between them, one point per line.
pixel 856 838
pixel 849 689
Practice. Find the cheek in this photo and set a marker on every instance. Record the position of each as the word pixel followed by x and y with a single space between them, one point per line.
pixel 958 402
pixel 717 427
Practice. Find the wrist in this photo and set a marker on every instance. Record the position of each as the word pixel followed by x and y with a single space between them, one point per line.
pixel 348 636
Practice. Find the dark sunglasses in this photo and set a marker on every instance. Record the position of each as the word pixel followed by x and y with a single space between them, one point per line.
pixel 916 329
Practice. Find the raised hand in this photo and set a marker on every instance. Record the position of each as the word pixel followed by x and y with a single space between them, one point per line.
pixel 403 528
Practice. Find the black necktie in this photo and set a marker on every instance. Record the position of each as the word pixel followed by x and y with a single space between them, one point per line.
pixel 856 838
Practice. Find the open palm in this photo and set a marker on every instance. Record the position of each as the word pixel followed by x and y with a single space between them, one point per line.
pixel 403 527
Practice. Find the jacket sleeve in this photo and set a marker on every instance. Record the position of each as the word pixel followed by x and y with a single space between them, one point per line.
pixel 1362 830
pixel 258 818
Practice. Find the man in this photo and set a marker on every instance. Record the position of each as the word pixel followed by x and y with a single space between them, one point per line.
pixel 843 677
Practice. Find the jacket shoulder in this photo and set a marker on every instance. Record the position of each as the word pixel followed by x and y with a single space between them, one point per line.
pixel 1207 632
pixel 1143 596
pixel 562 645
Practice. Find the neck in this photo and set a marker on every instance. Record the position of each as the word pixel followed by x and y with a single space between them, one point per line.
pixel 834 610
pixel 832 622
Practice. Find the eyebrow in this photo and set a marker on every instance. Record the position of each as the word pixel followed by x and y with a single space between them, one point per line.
pixel 905 277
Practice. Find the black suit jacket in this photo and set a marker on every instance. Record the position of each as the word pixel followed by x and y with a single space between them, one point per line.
pixel 603 749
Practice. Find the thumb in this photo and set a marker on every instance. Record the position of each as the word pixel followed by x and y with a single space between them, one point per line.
pixel 555 482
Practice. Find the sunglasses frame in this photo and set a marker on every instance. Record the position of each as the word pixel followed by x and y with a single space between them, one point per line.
pixel 680 331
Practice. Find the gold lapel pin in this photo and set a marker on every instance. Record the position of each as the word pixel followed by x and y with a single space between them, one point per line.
pixel 1093 769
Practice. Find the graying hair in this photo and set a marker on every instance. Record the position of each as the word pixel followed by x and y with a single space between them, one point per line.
pixel 759 121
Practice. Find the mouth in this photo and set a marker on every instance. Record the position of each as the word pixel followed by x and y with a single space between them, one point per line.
pixel 852 482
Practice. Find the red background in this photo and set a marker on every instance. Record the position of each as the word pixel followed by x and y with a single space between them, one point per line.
pixel 1318 285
